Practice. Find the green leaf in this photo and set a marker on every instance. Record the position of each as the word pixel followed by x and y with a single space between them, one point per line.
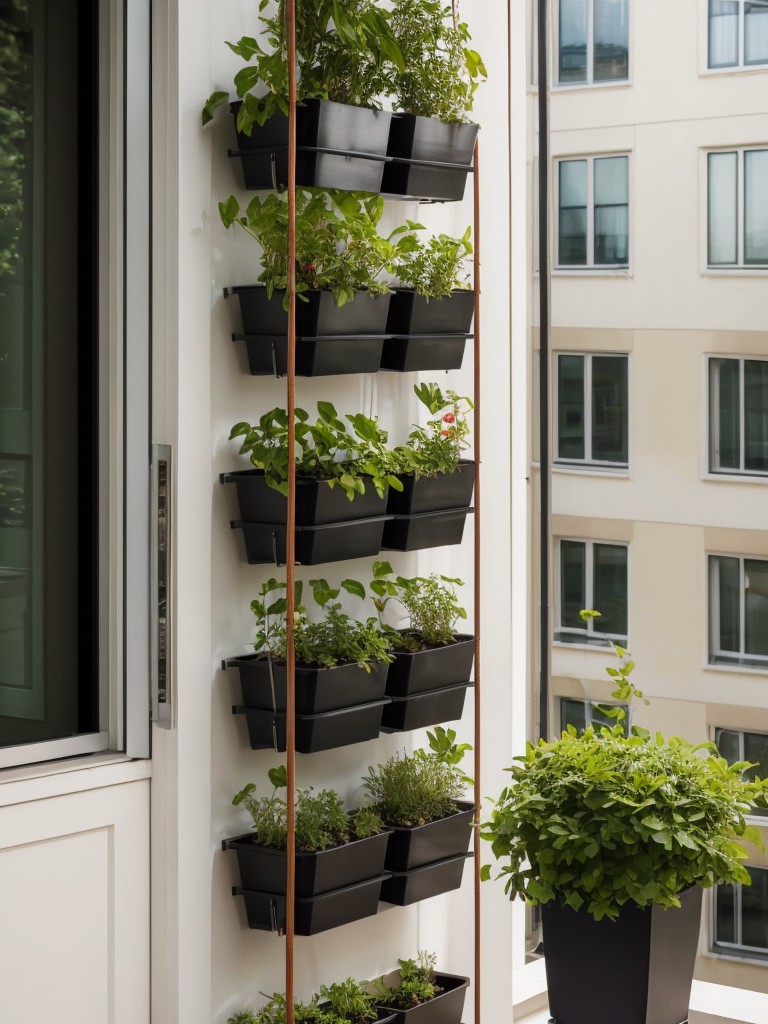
pixel 354 587
pixel 228 211
pixel 278 776
pixel 211 104
pixel 485 873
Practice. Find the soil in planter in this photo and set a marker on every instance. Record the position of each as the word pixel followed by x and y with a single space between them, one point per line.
pixel 418 671
pixel 445 1008
pixel 330 542
pixel 423 844
pixel 325 731
pixel 433 493
pixel 418 711
pixel 406 887
pixel 414 138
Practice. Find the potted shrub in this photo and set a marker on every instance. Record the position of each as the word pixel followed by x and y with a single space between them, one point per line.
pixel 339 858
pixel 341 671
pixel 418 994
pixel 346 55
pixel 615 836
pixel 344 1002
pixel 419 796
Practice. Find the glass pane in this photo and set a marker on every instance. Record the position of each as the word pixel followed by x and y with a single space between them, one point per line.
pixel 572 582
pixel 754 910
pixel 722 209
pixel 728 743
pixel 756 607
pixel 756 32
pixel 573 712
pixel 723 33
pixel 572 66
pixel 725 914
pixel 570 407
pixel 611 210
pixel 611 40
pixel 726 592
pixel 609 409
pixel 725 413
pixel 572 247
pixel 610 588
pixel 756 415
pixel 756 206
pixel 756 752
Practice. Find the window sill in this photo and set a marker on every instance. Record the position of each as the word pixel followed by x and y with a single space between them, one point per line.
pixel 564 87
pixel 620 272
pixel 591 469
pixel 731 667
pixel 736 478
pixel 742 271
pixel 740 69
pixel 75 775
pixel 589 645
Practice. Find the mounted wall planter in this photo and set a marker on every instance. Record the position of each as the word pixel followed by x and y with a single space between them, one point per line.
pixel 646 960
pixel 420 671
pixel 427 334
pixel 325 731
pixel 414 847
pixel 406 887
pixel 339 146
pixel 431 158
pixel 445 1008
pixel 433 493
pixel 425 530
pixel 331 542
pixel 445 704
pixel 317 503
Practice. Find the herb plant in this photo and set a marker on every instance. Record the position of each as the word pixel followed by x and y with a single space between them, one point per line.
pixel 438 446
pixel 347 1002
pixel 430 604
pixel 350 1001
pixel 416 985
pixel 436 267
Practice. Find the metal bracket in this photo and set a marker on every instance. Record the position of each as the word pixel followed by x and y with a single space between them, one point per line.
pixel 160 565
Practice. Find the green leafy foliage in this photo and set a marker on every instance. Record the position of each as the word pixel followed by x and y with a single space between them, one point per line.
pixel 438 446
pixel 429 602
pixel 344 1002
pixel 435 267
pixel 416 984
pixel 350 1001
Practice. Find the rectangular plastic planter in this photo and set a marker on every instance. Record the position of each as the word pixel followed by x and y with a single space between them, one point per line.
pixel 420 671
pixel 330 542
pixel 412 314
pixel 317 317
pixel 422 844
pixel 326 356
pixel 436 143
pixel 326 731
pixel 422 709
pixel 264 868
pixel 425 530
pixel 339 146
pixel 433 493
pixel 317 503
pixel 406 887
pixel 312 914
pixel 414 352
pixel 445 1008
pixel 317 689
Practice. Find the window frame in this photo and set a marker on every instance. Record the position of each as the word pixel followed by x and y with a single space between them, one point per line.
pixel 742 733
pixel 740 65
pixel 587 636
pixel 739 266
pixel 590 706
pixel 588 462
pixel 734 661
pixel 590 267
pixel 590 82
pixel 713 420
pixel 735 949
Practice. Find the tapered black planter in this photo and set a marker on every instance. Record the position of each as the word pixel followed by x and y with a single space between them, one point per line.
pixel 326 356
pixel 318 317
pixel 404 714
pixel 406 887
pixel 445 1008
pixel 646 960
pixel 331 542
pixel 317 689
pixel 316 503
pixel 325 731
pixel 422 844
pixel 434 667
pixel 441 155
pixel 339 146
pixel 410 313
pixel 425 530
pixel 433 493
pixel 264 868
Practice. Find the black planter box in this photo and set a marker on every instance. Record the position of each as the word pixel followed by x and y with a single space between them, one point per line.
pixel 317 317
pixel 406 887
pixel 419 671
pixel 331 542
pixel 433 493
pixel 317 503
pixel 445 1008
pixel 412 314
pixel 646 960
pixel 317 689
pixel 425 530
pixel 315 913
pixel 436 143
pixel 264 868
pixel 422 844
pixel 326 731
pixel 321 125
pixel 327 356
pixel 423 352
pixel 404 714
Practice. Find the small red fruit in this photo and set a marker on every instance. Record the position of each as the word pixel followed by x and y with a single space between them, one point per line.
pixel 449 418
pixel 445 433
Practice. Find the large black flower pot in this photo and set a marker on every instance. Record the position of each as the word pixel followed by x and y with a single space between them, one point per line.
pixel 425 530
pixel 312 914
pixel 317 689
pixel 327 356
pixel 433 493
pixel 445 1008
pixel 264 868
pixel 330 542
pixel 411 314
pixel 404 714
pixel 326 731
pixel 317 503
pixel 431 157
pixel 406 887
pixel 317 317
pixel 422 844
pixel 646 960
pixel 420 671
pixel 339 146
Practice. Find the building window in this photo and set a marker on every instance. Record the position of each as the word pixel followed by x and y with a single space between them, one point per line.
pixel 593 212
pixel 593 42
pixel 592 410
pixel 741 915
pixel 737 208
pixel 738 416
pixel 738 602
pixel 582 714
pixel 738 33
pixel 736 746
pixel 593 574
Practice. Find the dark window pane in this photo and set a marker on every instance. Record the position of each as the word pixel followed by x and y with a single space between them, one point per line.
pixel 754 910
pixel 610 588
pixel 609 409
pixel 573 582
pixel 611 210
pixel 722 208
pixel 728 744
pixel 723 33
pixel 728 595
pixel 573 712
pixel 756 415
pixel 570 407
pixel 756 607
pixel 572 182
pixel 756 751
pixel 572 65
pixel 756 206
pixel 725 914
pixel 756 32
pixel 611 40
pixel 725 445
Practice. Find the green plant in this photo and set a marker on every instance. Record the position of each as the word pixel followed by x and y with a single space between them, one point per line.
pixel 413 789
pixel 603 818
pixel 436 267
pixel 441 72
pixel 321 820
pixel 325 450
pixel 350 1001
pixel 337 639
pixel 347 1003
pixel 438 446
pixel 430 604
pixel 416 983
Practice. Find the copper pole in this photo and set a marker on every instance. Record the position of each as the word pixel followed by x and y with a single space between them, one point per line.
pixel 478 510
pixel 290 531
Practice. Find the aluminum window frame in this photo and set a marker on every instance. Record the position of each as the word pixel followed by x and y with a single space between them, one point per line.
pixel 588 462
pixel 715 656
pixel 741 35
pixel 590 266
pixel 713 418
pixel 589 636
pixel 736 949
pixel 740 265
pixel 589 82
